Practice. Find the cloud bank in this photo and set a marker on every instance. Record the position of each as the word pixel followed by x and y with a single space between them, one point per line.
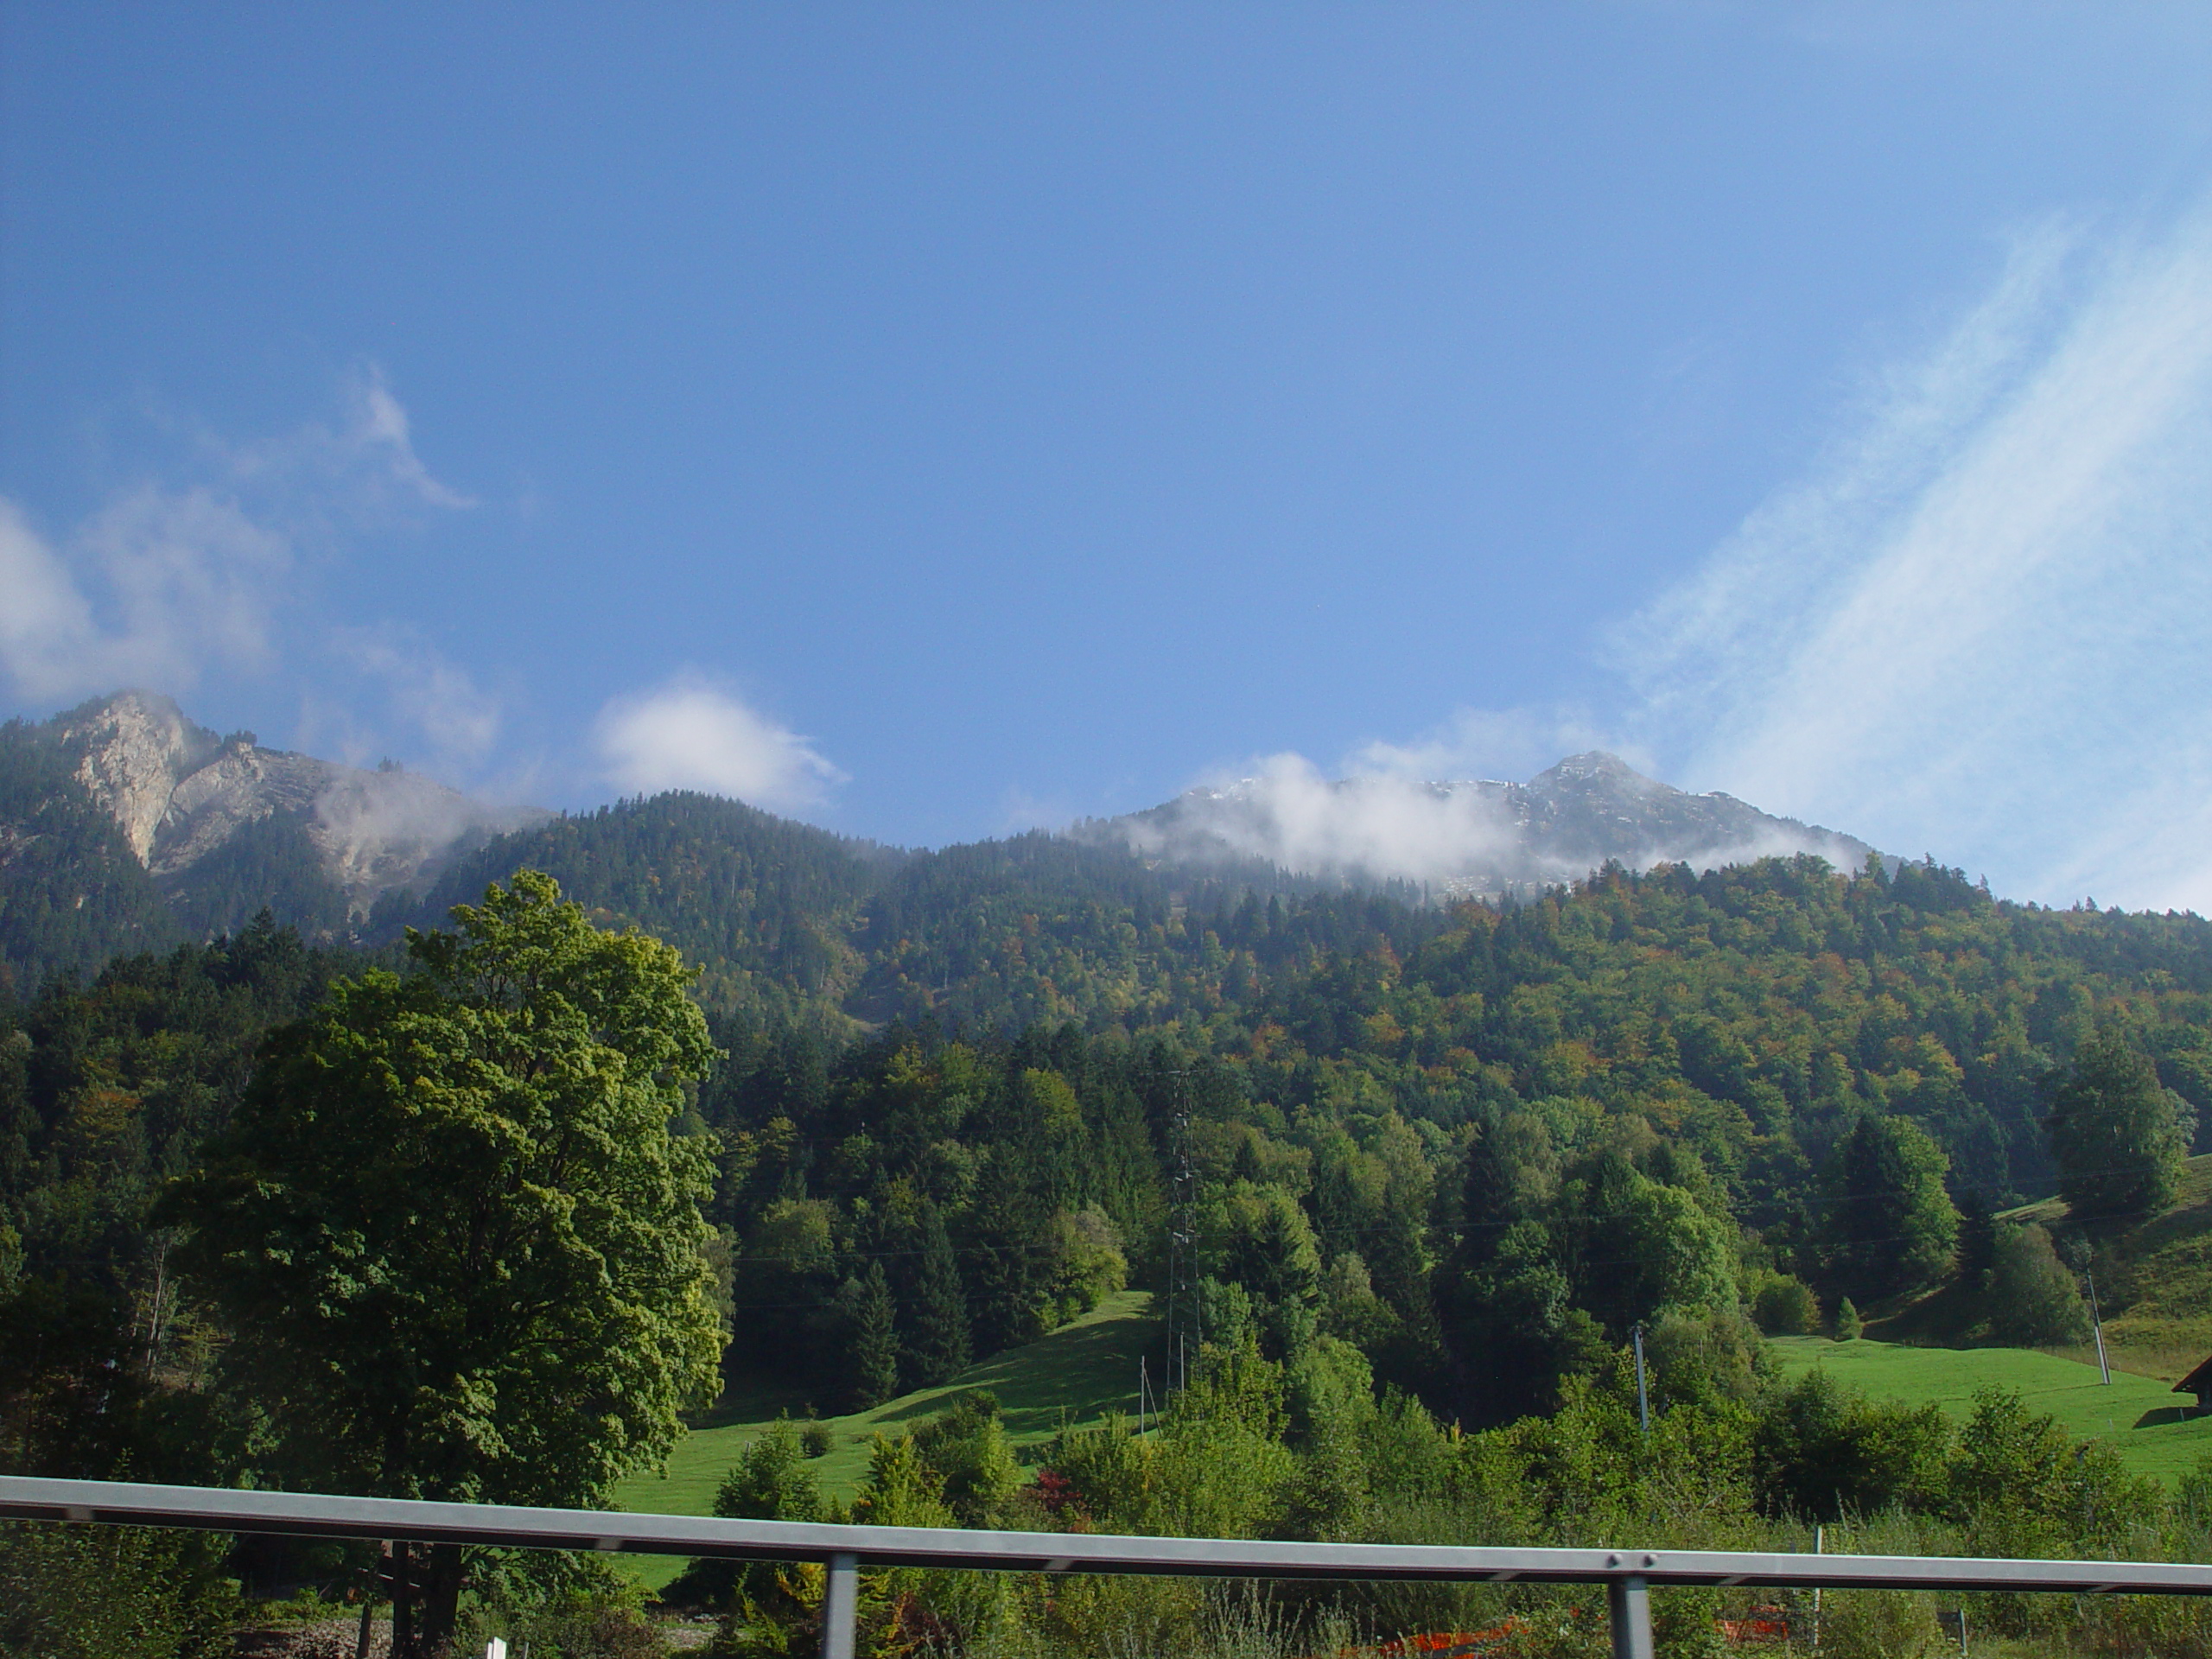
pixel 691 735
pixel 1983 627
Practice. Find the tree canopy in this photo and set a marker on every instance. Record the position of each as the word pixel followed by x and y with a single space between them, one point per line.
pixel 2117 1136
pixel 452 1232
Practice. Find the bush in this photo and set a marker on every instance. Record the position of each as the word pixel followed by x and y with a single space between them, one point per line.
pixel 1088 1263
pixel 1784 1305
pixel 1820 1452
pixel 967 1444
pixel 1880 1625
pixel 1705 1355
pixel 1849 1327
pixel 816 1438
pixel 770 1481
pixel 112 1592
pixel 588 1627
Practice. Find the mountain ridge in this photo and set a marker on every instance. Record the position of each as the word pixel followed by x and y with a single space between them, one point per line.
pixel 126 826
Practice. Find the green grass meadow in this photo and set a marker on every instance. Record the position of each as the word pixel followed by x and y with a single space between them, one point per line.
pixel 2142 1416
pixel 1077 1375
pixel 1085 1370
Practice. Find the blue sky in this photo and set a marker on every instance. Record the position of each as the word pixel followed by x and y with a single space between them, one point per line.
pixel 933 420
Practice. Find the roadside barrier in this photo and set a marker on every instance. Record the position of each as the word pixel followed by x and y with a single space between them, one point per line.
pixel 1627 1574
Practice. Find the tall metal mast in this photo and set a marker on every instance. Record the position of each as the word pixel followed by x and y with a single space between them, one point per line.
pixel 1184 1328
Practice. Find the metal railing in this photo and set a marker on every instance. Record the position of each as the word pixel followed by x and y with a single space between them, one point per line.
pixel 1627 1574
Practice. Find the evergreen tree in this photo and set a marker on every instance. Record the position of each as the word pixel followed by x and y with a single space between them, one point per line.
pixel 933 1345
pixel 1008 1254
pixel 2118 1137
pixel 1977 1252
pixel 872 1363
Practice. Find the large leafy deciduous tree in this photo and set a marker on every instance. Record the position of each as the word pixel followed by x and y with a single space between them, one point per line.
pixel 456 1243
pixel 1890 1226
pixel 2117 1136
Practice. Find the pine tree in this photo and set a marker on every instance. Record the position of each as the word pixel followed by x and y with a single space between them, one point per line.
pixel 872 1357
pixel 934 1345
pixel 1007 1255
pixel 1977 1241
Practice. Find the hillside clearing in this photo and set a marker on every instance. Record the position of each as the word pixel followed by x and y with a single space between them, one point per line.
pixel 2142 1416
pixel 1077 1375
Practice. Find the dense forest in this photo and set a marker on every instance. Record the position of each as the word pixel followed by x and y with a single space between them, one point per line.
pixel 1443 1160
pixel 1435 1131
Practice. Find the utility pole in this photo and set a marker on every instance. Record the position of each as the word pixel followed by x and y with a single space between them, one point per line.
pixel 1182 1241
pixel 2097 1325
pixel 1643 1399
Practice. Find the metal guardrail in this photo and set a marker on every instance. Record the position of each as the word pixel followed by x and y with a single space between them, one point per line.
pixel 1627 1574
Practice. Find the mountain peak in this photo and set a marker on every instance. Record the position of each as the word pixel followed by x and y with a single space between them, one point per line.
pixel 1596 766
pixel 1472 837
pixel 181 794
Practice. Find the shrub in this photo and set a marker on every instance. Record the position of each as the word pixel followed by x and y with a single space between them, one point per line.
pixel 1822 1451
pixel 1881 1624
pixel 112 1592
pixel 1849 1327
pixel 1785 1305
pixel 967 1444
pixel 1088 1263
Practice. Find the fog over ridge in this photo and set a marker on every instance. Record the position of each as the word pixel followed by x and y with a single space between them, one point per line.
pixel 1467 836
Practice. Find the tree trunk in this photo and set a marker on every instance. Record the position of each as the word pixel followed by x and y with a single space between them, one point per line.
pixel 403 1601
pixel 440 1599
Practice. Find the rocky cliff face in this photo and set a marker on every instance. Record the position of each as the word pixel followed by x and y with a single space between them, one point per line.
pixel 1469 836
pixel 181 794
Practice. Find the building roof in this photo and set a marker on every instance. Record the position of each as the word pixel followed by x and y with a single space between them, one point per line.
pixel 2198 1381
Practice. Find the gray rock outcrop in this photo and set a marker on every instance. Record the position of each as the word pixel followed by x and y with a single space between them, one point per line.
pixel 179 793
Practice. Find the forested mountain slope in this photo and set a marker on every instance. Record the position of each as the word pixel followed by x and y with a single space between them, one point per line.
pixel 766 905
pixel 1474 1144
pixel 1463 1152
pixel 788 920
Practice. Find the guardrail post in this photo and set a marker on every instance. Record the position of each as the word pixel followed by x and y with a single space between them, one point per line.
pixel 1630 1603
pixel 841 1605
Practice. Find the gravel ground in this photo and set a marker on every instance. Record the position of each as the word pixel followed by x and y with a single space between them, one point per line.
pixel 333 1639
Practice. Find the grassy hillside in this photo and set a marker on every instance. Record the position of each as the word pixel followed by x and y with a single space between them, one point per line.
pixel 2142 1416
pixel 2154 1282
pixel 1077 1375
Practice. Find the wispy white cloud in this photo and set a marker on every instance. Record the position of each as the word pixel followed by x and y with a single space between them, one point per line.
pixel 173 579
pixel 1981 626
pixel 429 692
pixel 181 578
pixel 381 426
pixel 692 733
pixel 357 472
pixel 1503 743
